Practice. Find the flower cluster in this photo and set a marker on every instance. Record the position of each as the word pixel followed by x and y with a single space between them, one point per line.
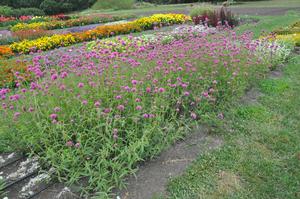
pixel 54 41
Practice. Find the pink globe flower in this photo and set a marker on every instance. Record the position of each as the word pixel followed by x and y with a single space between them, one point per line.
pixel 161 90
pixel 80 85
pixel 69 143
pixel 53 116
pixel 121 107
pixel 138 108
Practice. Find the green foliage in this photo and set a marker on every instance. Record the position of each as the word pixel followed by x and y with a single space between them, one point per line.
pixel 200 10
pixel 2 185
pixel 48 6
pixel 113 4
pixel 6 11
pixel 9 11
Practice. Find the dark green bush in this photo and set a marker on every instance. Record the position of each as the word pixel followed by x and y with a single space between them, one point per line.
pixel 6 11
pixel 28 11
pixel 49 6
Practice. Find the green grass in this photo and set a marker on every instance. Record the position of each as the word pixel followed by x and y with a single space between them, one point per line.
pixel 269 3
pixel 268 23
pixel 2 193
pixel 261 153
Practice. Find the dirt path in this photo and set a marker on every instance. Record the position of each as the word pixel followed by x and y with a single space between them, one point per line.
pixel 152 177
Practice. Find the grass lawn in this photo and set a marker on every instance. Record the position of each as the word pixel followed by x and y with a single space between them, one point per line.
pixel 186 7
pixel 269 3
pixel 261 152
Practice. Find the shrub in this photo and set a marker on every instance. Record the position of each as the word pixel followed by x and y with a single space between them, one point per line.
pixel 225 17
pixel 51 7
pixel 6 11
pixel 201 10
pixel 28 11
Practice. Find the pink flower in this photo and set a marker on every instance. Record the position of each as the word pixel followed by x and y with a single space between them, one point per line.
pixel 106 110
pixel 56 109
pixel 80 85
pixel 118 97
pixel 205 94
pixel 69 143
pixel 63 75
pixel 221 116
pixel 121 107
pixel 145 116
pixel 17 114
pixel 138 100
pixel 148 90
pixel 84 102
pixel 77 145
pixel 138 108
pixel 97 104
pixel 134 82
pixel 186 93
pixel 161 90
pixel 193 115
pixel 54 77
pixel 53 116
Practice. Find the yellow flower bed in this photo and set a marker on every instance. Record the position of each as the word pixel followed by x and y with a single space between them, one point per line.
pixel 44 43
pixel 54 41
pixel 291 38
pixel 25 26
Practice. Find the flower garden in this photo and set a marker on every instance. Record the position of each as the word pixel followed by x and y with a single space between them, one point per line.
pixel 97 112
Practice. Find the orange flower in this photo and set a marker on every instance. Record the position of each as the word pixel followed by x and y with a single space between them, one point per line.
pixel 12 72
pixel 5 52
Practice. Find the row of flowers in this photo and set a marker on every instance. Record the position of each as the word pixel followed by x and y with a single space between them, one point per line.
pixel 54 41
pixel 58 24
pixel 10 21
pixel 290 34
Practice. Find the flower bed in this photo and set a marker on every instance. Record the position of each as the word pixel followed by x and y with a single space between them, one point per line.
pixel 81 21
pixel 11 21
pixel 145 23
pixel 94 114
pixel 5 52
pixel 13 73
pixel 289 34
